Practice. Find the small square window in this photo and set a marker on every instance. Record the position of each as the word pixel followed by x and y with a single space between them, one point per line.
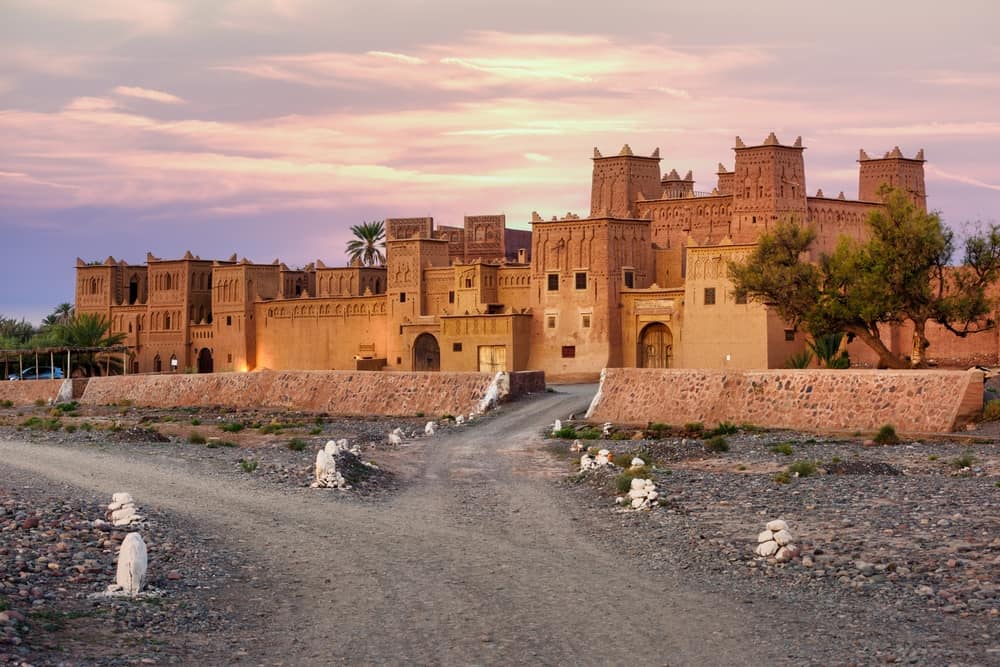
pixel 581 280
pixel 568 351
pixel 789 334
pixel 553 282
pixel 629 279
pixel 456 347
pixel 229 320
pixel 451 297
pixel 550 321
pixel 402 297
pixel 585 321
pixel 709 296
pixel 399 361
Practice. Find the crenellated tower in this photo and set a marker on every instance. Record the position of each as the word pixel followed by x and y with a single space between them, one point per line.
pixel 769 184
pixel 895 170
pixel 620 180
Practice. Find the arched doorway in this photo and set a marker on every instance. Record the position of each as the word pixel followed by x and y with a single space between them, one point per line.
pixel 157 364
pixel 426 353
pixel 656 346
pixel 205 360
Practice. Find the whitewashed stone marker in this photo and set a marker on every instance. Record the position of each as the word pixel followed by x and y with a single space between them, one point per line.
pixel 131 575
pixel 430 428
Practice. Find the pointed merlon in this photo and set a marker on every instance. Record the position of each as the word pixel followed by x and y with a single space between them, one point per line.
pixel 232 258
pixel 656 152
pixel 863 155
pixel 722 169
pixel 715 191
pixel 673 176
pixel 535 217
pixel 188 255
pixel 841 195
pixel 819 193
pixel 919 155
pixel 282 266
pixel 110 261
pixel 896 152
pixel 689 176
pixel 320 264
pixel 80 262
pixel 626 151
pixel 597 153
pixel 771 140
pixel 739 142
pixel 798 142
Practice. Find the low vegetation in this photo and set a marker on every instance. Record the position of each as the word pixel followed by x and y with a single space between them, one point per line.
pixel 887 435
pixel 196 438
pixel 783 448
pixel 717 444
pixel 296 444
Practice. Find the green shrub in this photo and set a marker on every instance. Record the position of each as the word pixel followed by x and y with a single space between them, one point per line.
pixel 52 424
pixel 802 468
pixel 932 457
pixel 316 430
pixel 620 435
pixel 39 402
pixel 623 481
pixel 801 359
pixel 196 438
pixel 6 404
pixel 32 422
pixel 658 430
pixel 717 444
pixel 195 422
pixel 991 411
pixel 232 427
pixel 248 465
pixel 67 407
pixel 723 428
pixel 887 435
pixel 782 478
pixel 420 414
pixel 86 426
pixel 783 448
pixel 694 428
pixel 589 434
pixel 966 460
pixel 566 433
pixel 296 444
pixel 70 428
pixel 273 427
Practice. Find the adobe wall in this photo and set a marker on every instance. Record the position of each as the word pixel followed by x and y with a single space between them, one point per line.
pixel 926 401
pixel 335 392
pixel 26 392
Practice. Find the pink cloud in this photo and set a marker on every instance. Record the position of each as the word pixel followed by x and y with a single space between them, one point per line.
pixel 148 94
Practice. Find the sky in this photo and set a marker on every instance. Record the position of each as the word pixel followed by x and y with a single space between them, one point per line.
pixel 268 127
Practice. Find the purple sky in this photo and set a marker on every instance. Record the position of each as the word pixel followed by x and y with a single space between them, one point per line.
pixel 268 127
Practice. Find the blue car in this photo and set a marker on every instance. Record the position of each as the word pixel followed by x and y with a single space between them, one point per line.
pixel 38 374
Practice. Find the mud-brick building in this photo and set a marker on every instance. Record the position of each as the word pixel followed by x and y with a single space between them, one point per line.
pixel 639 281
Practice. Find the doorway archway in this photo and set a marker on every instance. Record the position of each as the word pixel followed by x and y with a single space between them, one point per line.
pixel 205 360
pixel 656 346
pixel 426 353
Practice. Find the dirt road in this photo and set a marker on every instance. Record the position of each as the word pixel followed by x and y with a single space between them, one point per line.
pixel 476 562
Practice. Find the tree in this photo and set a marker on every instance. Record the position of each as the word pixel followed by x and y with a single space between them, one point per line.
pixel 15 334
pixel 89 330
pixel 830 350
pixel 61 313
pixel 369 243
pixel 899 275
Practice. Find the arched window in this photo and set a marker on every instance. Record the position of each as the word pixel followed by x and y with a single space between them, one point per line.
pixel 93 285
pixel 166 282
pixel 166 321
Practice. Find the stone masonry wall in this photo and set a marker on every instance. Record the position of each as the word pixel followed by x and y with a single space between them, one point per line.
pixel 26 392
pixel 926 401
pixel 334 392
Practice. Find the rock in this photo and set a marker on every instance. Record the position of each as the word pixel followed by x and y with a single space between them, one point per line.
pixel 430 428
pixel 395 438
pixel 786 553
pixel 637 462
pixel 173 575
pixel 460 420
pixel 766 549
pixel 556 425
pixel 783 537
pixel 122 498
pixel 765 536
pixel 30 522
pixel 777 525
pixel 131 574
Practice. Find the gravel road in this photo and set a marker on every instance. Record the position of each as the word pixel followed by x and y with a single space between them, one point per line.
pixel 480 559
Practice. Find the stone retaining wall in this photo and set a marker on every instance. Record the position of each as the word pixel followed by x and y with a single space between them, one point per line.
pixel 335 392
pixel 925 401
pixel 26 392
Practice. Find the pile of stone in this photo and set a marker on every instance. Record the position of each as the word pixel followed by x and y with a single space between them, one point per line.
pixel 122 511
pixel 395 437
pixel 641 495
pixel 336 459
pixel 777 542
pixel 430 428
pixel 577 446
pixel 588 462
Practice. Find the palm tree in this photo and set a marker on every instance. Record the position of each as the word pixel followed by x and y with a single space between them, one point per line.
pixel 90 330
pixel 368 245
pixel 62 313
pixel 830 350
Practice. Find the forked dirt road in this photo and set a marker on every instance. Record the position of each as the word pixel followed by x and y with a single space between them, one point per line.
pixel 475 562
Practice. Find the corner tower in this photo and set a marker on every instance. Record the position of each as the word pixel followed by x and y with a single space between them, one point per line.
pixel 769 183
pixel 895 170
pixel 620 180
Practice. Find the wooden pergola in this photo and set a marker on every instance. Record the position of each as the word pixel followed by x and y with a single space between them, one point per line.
pixel 18 356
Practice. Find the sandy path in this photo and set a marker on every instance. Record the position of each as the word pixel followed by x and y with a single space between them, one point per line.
pixel 473 564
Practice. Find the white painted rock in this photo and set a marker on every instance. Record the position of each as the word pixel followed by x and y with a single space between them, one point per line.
pixel 637 484
pixel 777 525
pixel 639 503
pixel 430 428
pixel 787 553
pixel 324 462
pixel 637 493
pixel 765 536
pixel 637 462
pixel 472 415
pixel 587 462
pixel 131 575
pixel 577 446
pixel 767 548
pixel 460 419
pixel 556 425
pixel 125 516
pixel 121 498
pixel 783 537
pixel 606 431
pixel 395 439
pixel 652 495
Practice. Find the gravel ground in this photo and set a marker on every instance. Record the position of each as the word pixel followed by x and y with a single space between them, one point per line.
pixel 482 547
pixel 902 535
